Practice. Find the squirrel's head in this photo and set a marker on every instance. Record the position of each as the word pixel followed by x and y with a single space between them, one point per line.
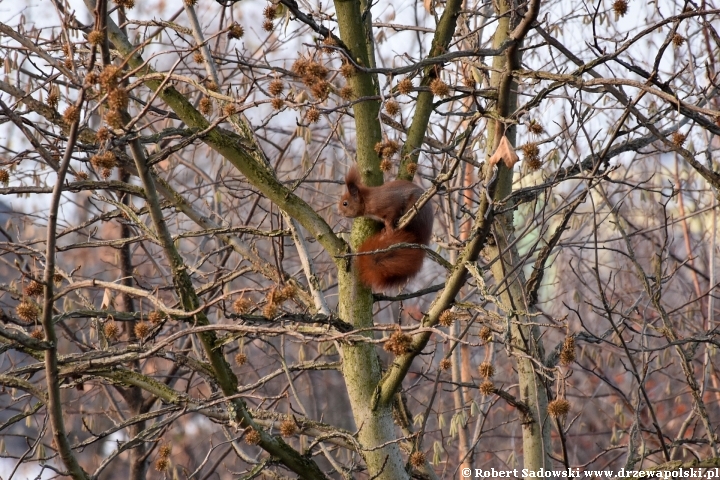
pixel 351 204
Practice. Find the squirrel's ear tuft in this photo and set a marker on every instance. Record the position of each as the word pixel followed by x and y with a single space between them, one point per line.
pixel 353 176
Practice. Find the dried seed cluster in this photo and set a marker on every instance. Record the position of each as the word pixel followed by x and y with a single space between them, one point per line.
pixel 487 388
pixel 531 151
pixel 288 428
pixel 447 318
pixel 567 353
pixel 620 7
pixel 558 407
pixel 163 461
pixel 439 88
pixel 399 343
pixel 27 311
pixel 417 459
pixel 486 370
pixel 252 437
pixel 33 289
pixel 314 76
pixel 236 31
pixel 241 359
pixel 111 329
pixel 405 86
pixel 387 148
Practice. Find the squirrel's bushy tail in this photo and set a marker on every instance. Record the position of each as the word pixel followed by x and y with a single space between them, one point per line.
pixel 389 269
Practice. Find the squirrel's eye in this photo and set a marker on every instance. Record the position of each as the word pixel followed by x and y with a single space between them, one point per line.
pixel 344 204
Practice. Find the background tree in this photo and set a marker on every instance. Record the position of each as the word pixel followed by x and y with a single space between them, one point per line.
pixel 179 296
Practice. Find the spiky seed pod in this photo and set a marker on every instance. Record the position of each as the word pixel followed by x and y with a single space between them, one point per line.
pixel 165 450
pixel 142 329
pixel 328 42
pixel 53 98
pixel 320 90
pixel 113 118
pixel 205 106
pixel 678 138
pixel 81 176
pixel 530 150
pixel 347 70
pixel 242 305
pixel 485 334
pixel 417 459
pixel 468 81
pixel 71 114
pixel 190 3
pixel 288 428
pixel 162 463
pixel 118 98
pixel 37 334
pixel 620 7
pixel 317 70
pixel 558 407
pixel 446 318
pixel 27 311
pixel 236 31
pixel 33 289
pixel 270 310
pixel 92 78
pixel 211 85
pixel 270 12
pixel 347 93
pixel 533 163
pixel 276 87
pixel 313 115
pixel 439 88
pixel 57 279
pixel 300 66
pixel 96 37
pixel 392 107
pixel 252 437
pixel 567 353
pixel 535 128
pixel 268 25
pixel 411 168
pixel 111 329
pixel 487 388
pixel 127 4
pixel 106 173
pixel 486 370
pixel 241 359
pixel 288 292
pixel 678 40
pixel 68 63
pixel 405 86
pixel 105 160
pixel 387 148
pixel 445 364
pixel 102 135
pixel 155 317
pixel 399 343
pixel 385 165
pixel 198 58
pixel 109 77
pixel 229 110
pixel 4 176
pixel 277 103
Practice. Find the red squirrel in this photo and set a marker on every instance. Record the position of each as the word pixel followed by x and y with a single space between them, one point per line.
pixel 387 204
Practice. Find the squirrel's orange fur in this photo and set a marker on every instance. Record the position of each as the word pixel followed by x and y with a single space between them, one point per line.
pixel 386 204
